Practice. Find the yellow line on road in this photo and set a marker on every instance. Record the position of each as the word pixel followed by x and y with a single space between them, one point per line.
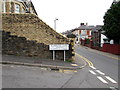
pixel 89 62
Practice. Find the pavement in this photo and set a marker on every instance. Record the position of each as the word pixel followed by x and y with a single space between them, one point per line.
pixel 117 57
pixel 37 62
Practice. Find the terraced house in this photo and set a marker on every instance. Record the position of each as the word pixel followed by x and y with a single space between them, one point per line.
pixel 18 6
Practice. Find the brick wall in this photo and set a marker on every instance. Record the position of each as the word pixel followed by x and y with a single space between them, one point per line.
pixel 111 48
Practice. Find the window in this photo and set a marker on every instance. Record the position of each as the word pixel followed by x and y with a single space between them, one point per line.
pixel 83 32
pixel 17 8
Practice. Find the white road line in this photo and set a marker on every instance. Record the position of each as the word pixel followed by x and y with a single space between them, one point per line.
pixel 110 79
pixel 92 67
pixel 92 72
pixel 101 79
pixel 100 72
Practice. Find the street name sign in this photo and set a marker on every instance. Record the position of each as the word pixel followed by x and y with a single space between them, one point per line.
pixel 55 47
pixel 59 47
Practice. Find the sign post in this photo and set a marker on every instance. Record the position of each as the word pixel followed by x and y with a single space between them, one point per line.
pixel 53 55
pixel 64 55
pixel 55 47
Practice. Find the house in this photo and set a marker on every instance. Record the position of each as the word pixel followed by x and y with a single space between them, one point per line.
pixel 96 35
pixel 82 32
pixel 18 6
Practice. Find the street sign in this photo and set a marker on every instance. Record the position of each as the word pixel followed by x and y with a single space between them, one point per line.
pixel 55 47
pixel 59 47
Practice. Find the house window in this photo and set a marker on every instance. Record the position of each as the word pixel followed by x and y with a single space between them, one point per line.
pixel 83 32
pixel 17 8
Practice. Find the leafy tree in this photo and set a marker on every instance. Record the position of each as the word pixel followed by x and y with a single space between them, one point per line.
pixel 112 22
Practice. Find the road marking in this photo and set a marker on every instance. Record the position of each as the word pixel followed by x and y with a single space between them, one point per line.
pixel 92 72
pixel 92 67
pixel 110 79
pixel 113 88
pixel 89 62
pixel 101 79
pixel 74 64
pixel 100 72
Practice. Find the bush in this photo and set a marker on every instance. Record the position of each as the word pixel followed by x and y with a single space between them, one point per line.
pixel 87 41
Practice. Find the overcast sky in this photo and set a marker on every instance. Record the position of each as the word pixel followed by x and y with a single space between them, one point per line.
pixel 71 13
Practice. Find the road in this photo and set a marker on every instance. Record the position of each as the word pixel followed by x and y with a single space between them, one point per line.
pixel 105 67
pixel 103 74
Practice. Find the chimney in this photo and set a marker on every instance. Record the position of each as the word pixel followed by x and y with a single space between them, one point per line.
pixel 81 24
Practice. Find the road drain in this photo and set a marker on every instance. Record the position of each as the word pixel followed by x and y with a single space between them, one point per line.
pixel 60 70
pixel 54 69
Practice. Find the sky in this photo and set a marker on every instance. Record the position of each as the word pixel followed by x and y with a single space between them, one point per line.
pixel 70 13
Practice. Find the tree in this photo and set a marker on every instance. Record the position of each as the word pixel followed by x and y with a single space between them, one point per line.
pixel 112 23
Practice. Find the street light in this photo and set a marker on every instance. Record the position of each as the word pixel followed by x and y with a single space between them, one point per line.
pixel 55 23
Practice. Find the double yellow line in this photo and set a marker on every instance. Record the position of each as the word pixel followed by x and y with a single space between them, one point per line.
pixel 89 62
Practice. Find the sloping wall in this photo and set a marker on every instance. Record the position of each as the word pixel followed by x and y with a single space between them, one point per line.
pixel 27 35
pixel 31 27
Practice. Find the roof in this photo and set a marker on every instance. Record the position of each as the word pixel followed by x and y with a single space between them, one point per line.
pixel 84 27
pixel 98 27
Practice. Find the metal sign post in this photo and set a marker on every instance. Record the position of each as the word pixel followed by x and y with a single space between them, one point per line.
pixel 53 54
pixel 64 56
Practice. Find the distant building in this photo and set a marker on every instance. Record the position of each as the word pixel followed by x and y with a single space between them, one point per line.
pixel 18 6
pixel 96 35
pixel 82 32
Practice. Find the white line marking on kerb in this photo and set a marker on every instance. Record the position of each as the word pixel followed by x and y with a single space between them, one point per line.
pixel 92 72
pixel 110 79
pixel 101 79
pixel 100 72
pixel 92 67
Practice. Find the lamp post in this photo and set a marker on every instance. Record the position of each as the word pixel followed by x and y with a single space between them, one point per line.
pixel 55 23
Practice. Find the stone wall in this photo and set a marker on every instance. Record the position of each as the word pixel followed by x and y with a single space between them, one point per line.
pixel 27 35
pixel 14 45
pixel 31 27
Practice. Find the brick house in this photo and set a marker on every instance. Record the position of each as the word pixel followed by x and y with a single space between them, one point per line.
pixel 18 6
pixel 82 32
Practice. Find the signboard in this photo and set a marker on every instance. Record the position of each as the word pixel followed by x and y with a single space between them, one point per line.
pixel 59 47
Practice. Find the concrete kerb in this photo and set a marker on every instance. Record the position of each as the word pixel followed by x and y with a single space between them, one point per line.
pixel 42 65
